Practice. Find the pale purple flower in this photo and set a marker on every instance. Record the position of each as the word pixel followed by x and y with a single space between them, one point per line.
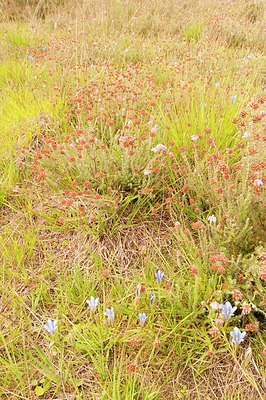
pixel 155 129
pixel 228 310
pixel 158 148
pixel 194 138
pixel 233 99
pixel 30 58
pixel 51 326
pixel 142 318
pixel 110 314
pixel 159 276
pixel 93 303
pixel 237 336
pixel 152 298
pixel 215 305
pixel 212 219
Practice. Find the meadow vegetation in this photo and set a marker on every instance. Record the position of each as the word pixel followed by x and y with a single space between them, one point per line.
pixel 132 196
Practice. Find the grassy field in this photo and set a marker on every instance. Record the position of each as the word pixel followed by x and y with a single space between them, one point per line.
pixel 132 195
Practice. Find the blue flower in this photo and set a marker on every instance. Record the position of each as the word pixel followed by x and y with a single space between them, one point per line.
pixel 110 314
pixel 93 303
pixel 51 326
pixel 237 336
pixel 142 318
pixel 159 276
pixel 152 298
pixel 228 310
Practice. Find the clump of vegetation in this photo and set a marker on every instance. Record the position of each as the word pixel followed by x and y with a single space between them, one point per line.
pixel 132 167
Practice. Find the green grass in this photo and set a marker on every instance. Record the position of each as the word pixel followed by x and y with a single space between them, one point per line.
pixel 89 207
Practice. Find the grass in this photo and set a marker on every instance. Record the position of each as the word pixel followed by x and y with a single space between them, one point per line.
pixel 132 141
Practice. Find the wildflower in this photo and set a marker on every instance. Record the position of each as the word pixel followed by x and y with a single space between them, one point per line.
pixel 51 326
pixel 194 270
pixel 110 314
pixel 167 285
pixel 93 303
pixel 214 331
pixel 155 129
pixel 197 225
pixel 246 309
pixel 258 183
pixel 158 148
pixel 177 225
pixel 212 219
pixel 156 343
pixel 237 336
pixel 147 172
pixel 237 295
pixel 194 138
pixel 233 99
pixel 133 367
pixel 142 318
pixel 215 305
pixel 138 290
pixel 246 135
pixel 219 322
pixel 228 310
pixel 30 58
pixel 152 298
pixel 106 273
pixel 134 342
pixel 251 327
pixel 159 276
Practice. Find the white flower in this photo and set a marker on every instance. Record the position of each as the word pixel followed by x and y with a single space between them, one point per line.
pixel 258 182
pixel 159 147
pixel 212 219
pixel 194 138
pixel 147 172
pixel 246 135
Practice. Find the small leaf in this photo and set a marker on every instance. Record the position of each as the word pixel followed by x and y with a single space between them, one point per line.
pixel 39 391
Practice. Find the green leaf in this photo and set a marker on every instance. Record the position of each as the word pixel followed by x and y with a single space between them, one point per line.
pixel 39 391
